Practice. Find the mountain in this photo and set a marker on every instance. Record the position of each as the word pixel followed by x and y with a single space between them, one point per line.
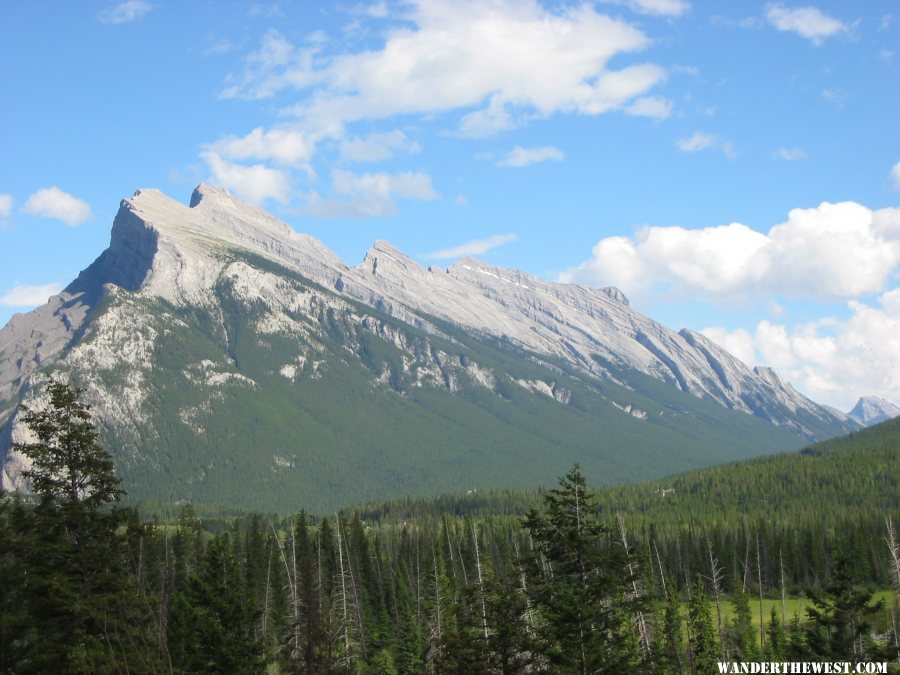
pixel 231 359
pixel 871 410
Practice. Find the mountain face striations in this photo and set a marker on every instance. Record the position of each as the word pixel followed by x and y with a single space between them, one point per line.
pixel 230 359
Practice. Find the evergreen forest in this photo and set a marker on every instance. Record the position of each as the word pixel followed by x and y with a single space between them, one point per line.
pixel 793 557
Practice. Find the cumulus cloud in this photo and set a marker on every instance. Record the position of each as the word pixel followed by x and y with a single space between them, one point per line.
pixel 831 360
pixel 6 203
pixel 739 343
pixel 832 251
pixel 370 195
pixel 282 146
pixel 474 247
pixel 895 175
pixel 502 61
pixel 125 12
pixel 807 22
pixel 29 296
pixel 256 182
pixel 377 147
pixel 54 203
pixel 519 156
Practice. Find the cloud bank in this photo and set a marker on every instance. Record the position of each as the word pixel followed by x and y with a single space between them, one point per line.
pixel 833 251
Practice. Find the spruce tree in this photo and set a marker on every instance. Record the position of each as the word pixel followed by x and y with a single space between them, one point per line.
pixel 581 586
pixel 84 611
pixel 67 464
pixel 840 614
pixel 704 649
pixel 669 637
pixel 741 633
pixel 213 622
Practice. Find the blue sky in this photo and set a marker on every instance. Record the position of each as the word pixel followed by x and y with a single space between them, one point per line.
pixel 733 167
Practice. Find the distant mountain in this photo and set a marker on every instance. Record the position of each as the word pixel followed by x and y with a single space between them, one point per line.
pixel 871 410
pixel 231 359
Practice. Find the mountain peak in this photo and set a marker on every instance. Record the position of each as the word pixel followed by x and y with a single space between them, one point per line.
pixel 205 190
pixel 384 256
pixel 871 410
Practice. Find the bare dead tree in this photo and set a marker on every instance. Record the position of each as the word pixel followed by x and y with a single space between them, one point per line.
pixel 480 581
pixel 715 580
pixel 636 591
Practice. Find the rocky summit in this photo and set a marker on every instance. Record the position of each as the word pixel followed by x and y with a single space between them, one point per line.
pixel 230 359
pixel 870 410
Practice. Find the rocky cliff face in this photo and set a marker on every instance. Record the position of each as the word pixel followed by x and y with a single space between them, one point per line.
pixel 225 277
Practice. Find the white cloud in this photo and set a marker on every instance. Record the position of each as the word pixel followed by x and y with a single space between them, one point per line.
pixel 276 66
pixel 832 251
pixel 650 106
pixel 377 147
pixel 474 247
pixel 791 154
pixel 282 146
pixel 807 22
pixel 6 203
pixel 895 175
pixel 519 156
pixel 739 343
pixel 125 12
pixel 499 63
pixel 255 183
pixel 370 195
pixel 830 360
pixel 698 141
pixel 28 296
pixel 54 203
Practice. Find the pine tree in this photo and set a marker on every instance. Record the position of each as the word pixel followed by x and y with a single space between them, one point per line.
pixel 704 650
pixel 839 615
pixel 741 633
pixel 776 643
pixel 670 637
pixel 213 623
pixel 67 464
pixel 582 587
pixel 84 611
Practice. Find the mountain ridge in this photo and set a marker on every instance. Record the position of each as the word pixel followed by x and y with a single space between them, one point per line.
pixel 223 283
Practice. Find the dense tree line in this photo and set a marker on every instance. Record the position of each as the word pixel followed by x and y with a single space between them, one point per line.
pixel 566 588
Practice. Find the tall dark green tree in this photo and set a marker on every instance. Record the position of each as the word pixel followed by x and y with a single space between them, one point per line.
pixel 741 634
pixel 213 626
pixel 581 583
pixel 669 641
pixel 840 616
pixel 67 464
pixel 704 648
pixel 84 611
